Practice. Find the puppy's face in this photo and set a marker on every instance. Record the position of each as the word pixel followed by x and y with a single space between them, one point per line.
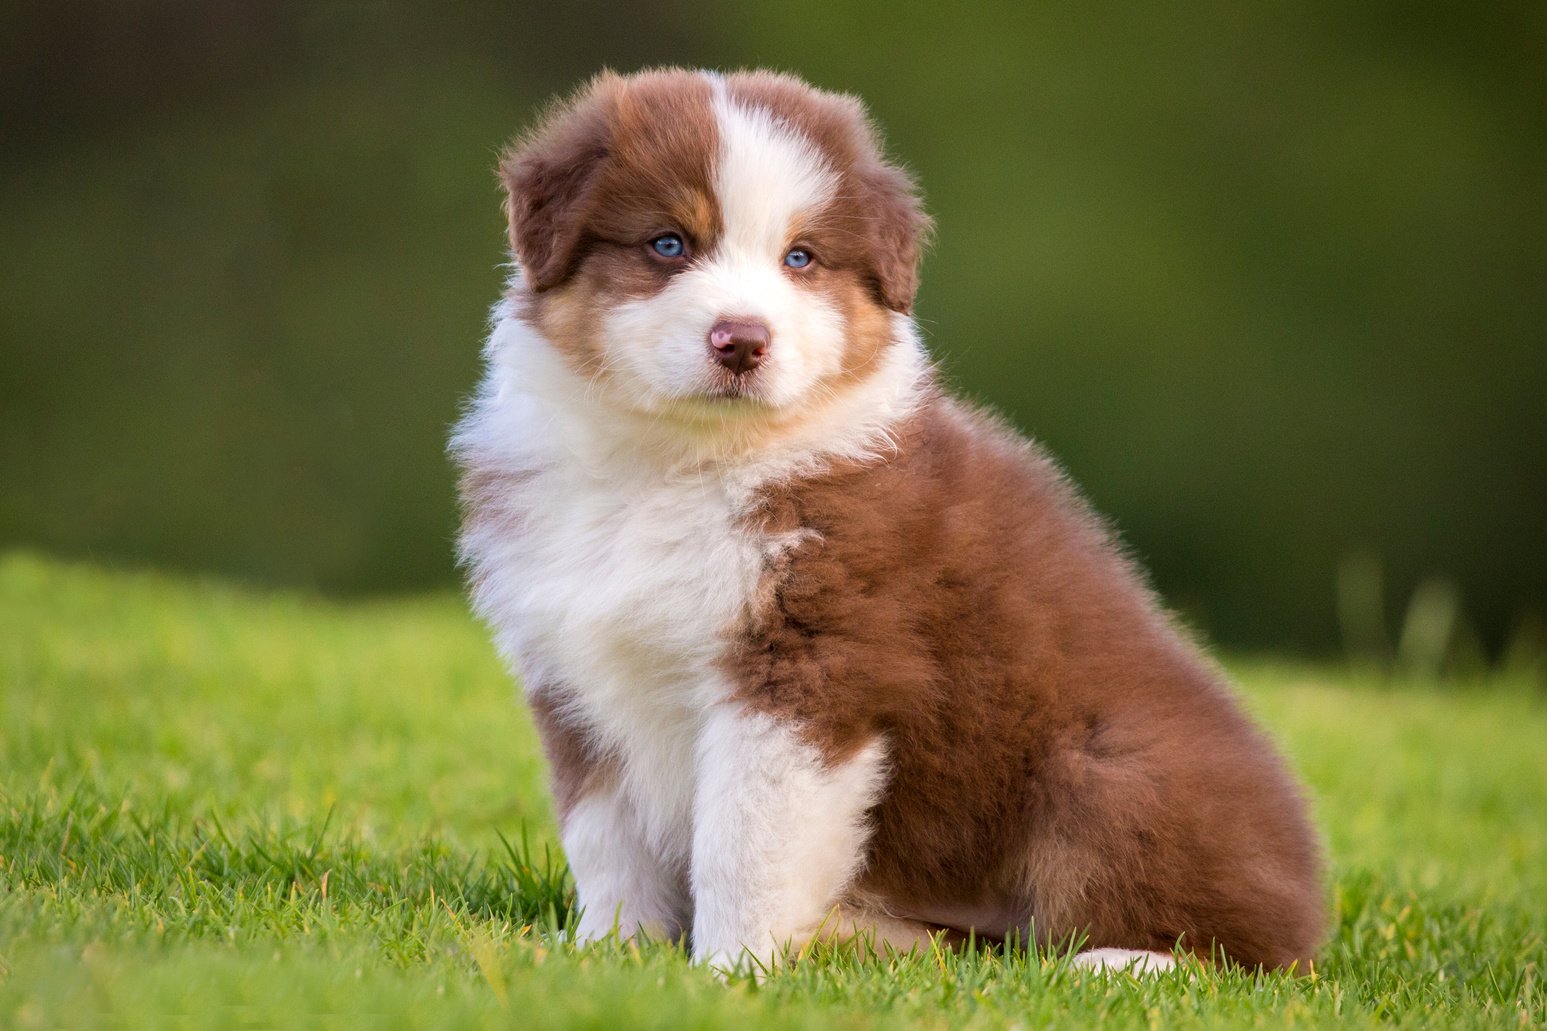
pixel 698 244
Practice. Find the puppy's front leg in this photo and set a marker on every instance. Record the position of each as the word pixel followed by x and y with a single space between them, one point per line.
pixel 778 832
pixel 620 882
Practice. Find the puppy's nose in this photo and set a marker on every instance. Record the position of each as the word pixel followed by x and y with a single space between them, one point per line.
pixel 739 344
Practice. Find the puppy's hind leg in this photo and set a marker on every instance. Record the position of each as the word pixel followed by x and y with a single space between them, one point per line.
pixel 880 931
pixel 1129 961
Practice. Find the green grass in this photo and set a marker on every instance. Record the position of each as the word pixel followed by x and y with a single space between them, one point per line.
pixel 228 808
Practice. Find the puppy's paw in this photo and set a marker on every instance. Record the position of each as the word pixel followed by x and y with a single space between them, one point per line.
pixel 727 965
pixel 1130 961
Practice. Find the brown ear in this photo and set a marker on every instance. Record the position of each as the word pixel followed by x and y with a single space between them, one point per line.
pixel 899 229
pixel 549 177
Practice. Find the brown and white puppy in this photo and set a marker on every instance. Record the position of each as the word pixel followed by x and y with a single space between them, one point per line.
pixel 810 644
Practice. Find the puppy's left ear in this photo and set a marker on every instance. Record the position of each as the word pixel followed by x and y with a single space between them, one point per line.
pixel 550 177
pixel 899 229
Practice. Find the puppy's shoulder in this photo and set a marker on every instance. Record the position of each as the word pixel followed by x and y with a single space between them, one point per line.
pixel 955 480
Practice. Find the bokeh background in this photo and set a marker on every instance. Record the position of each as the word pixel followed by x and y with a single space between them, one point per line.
pixel 1270 279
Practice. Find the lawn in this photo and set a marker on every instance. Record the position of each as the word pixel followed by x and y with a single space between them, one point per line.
pixel 234 808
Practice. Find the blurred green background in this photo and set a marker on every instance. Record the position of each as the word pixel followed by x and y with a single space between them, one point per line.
pixel 1270 279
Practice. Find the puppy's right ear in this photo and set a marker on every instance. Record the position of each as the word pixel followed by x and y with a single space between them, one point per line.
pixel 550 177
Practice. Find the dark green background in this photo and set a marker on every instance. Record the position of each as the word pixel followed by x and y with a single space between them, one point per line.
pixel 1270 279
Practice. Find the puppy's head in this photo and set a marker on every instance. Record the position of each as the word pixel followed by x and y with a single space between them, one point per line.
pixel 696 242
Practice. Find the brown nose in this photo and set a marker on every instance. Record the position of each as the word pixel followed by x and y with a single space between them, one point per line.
pixel 739 344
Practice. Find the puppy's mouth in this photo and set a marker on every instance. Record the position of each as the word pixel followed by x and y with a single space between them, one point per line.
pixel 735 386
pixel 736 390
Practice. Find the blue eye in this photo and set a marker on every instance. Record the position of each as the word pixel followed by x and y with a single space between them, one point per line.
pixel 669 246
pixel 799 257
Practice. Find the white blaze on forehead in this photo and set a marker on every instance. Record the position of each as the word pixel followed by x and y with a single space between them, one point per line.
pixel 767 177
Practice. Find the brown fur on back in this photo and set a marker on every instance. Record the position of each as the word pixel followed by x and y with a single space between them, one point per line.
pixel 1054 741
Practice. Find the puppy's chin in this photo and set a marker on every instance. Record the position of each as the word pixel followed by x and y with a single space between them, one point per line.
pixel 712 398
pixel 719 407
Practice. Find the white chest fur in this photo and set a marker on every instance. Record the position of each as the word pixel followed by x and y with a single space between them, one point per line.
pixel 608 579
pixel 611 560
pixel 628 589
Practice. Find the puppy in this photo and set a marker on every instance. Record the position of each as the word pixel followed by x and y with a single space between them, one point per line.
pixel 813 648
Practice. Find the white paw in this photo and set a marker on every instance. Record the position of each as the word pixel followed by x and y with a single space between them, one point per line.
pixel 725 964
pixel 1132 961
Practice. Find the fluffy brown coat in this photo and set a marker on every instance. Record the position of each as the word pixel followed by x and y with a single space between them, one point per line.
pixel 1058 749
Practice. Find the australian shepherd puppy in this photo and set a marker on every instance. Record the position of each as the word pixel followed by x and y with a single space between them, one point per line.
pixel 813 648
